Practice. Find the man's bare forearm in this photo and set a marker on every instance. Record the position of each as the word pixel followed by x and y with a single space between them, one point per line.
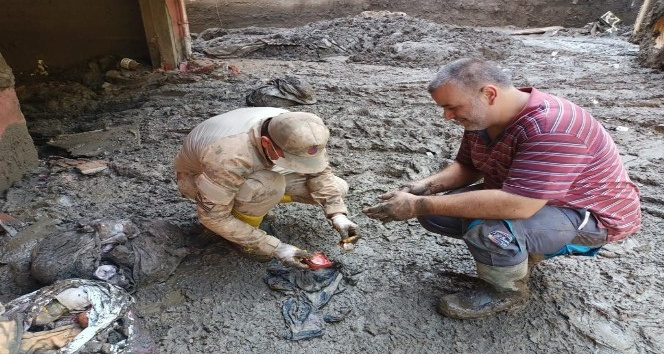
pixel 484 204
pixel 453 176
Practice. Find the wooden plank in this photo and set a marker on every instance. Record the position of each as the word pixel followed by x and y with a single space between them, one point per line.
pixel 160 36
pixel 643 11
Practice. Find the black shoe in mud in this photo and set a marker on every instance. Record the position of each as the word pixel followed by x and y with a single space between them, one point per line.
pixel 481 301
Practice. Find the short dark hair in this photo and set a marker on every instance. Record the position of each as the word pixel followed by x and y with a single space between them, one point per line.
pixel 471 74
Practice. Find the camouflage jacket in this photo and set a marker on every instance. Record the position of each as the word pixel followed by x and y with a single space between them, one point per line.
pixel 226 149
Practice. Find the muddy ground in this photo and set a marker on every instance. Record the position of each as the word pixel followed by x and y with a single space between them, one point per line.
pixel 370 74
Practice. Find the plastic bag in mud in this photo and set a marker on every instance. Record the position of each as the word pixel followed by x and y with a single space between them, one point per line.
pixel 289 91
pixel 73 316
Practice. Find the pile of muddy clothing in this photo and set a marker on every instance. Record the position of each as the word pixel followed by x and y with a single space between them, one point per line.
pixel 119 252
pixel 116 251
pixel 308 292
pixel 72 316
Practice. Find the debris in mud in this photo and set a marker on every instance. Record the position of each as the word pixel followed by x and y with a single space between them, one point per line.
pixel 309 291
pixel 70 316
pixel 98 142
pixel 116 251
pixel 9 224
pixel 86 167
pixel 605 23
pixel 551 30
pixel 129 64
pixel 384 131
pixel 282 92
pixel 371 37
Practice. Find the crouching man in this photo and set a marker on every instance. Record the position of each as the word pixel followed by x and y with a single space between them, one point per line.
pixel 552 183
pixel 240 164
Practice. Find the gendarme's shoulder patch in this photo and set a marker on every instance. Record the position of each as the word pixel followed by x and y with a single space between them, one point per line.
pixel 502 239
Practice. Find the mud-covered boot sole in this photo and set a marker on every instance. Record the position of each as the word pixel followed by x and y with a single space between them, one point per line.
pixel 474 303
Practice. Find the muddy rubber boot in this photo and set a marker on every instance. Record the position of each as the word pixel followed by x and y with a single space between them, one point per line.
pixel 533 260
pixel 500 289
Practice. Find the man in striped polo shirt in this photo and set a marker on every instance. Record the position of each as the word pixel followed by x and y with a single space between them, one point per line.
pixel 536 176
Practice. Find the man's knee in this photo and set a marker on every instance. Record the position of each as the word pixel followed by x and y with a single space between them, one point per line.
pixel 495 243
pixel 187 184
pixel 342 185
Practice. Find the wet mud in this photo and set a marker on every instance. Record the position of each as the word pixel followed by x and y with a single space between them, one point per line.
pixel 369 73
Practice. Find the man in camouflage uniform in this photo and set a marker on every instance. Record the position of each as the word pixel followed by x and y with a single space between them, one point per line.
pixel 240 164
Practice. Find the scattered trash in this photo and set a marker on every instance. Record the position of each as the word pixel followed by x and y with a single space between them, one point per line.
pixel 621 129
pixel 200 66
pixel 9 224
pixel 282 92
pixel 129 64
pixel 101 316
pixel 605 23
pixel 92 167
pixel 41 68
pixel 309 291
pixel 97 142
pixel 73 299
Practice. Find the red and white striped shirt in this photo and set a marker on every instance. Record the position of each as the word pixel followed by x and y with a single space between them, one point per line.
pixel 556 150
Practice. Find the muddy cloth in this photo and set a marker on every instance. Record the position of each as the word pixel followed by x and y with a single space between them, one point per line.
pixel 70 254
pixel 309 291
pixel 116 251
pixel 110 321
pixel 53 339
pixel 282 92
pixel 10 334
pixel 151 256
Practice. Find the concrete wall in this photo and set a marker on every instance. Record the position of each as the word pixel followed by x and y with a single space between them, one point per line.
pixel 69 32
pixel 522 13
pixel 17 151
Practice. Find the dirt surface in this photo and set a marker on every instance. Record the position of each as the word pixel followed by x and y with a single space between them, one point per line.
pixel 203 14
pixel 370 74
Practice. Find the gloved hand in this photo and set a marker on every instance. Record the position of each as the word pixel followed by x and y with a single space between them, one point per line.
pixel 344 226
pixel 290 255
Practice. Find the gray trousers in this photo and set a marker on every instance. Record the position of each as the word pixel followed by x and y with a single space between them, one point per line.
pixel 552 231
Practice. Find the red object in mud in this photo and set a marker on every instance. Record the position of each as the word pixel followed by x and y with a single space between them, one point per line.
pixel 317 261
pixel 82 319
